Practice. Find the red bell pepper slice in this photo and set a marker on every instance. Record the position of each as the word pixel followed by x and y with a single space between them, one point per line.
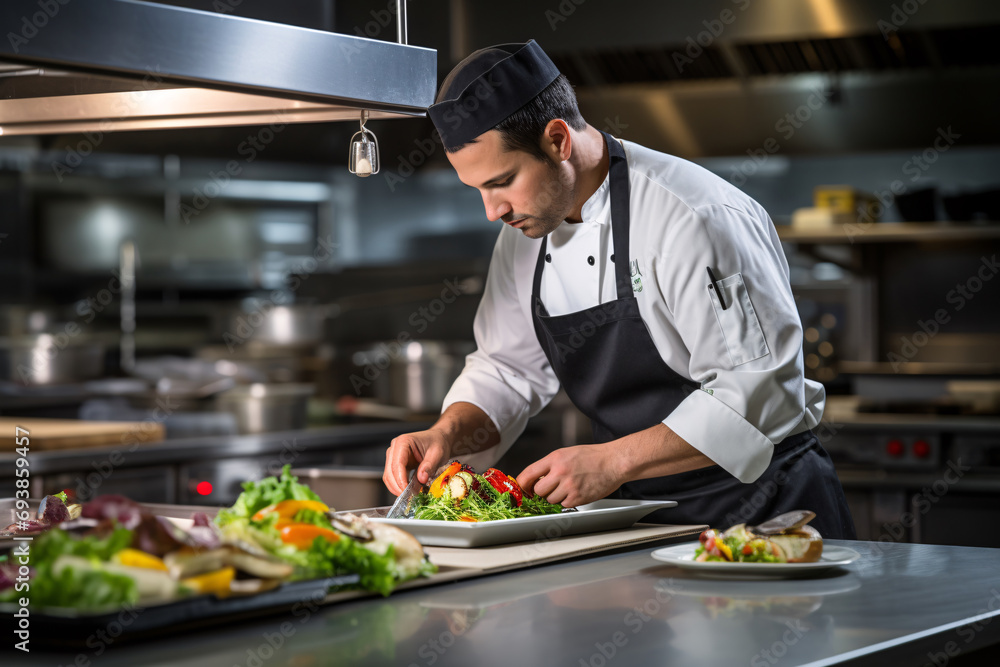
pixel 504 484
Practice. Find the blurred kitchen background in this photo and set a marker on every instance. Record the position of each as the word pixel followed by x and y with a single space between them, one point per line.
pixel 212 322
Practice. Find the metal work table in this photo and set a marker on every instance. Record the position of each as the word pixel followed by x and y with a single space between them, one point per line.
pixel 900 604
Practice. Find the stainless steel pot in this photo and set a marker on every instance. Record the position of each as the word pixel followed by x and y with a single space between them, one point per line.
pixel 265 408
pixel 264 322
pixel 179 384
pixel 415 375
pixel 50 359
pixel 264 362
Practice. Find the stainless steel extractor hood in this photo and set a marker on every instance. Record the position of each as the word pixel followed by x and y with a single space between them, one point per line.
pixel 728 77
pixel 107 65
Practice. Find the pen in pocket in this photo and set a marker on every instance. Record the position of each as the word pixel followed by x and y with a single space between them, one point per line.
pixel 715 286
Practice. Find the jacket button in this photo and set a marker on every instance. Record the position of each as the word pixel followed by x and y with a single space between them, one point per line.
pixel 548 258
pixel 590 260
pixel 612 258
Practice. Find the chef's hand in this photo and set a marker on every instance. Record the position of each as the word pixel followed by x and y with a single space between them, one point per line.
pixel 429 449
pixel 573 475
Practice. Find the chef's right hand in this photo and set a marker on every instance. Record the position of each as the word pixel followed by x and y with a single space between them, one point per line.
pixel 428 449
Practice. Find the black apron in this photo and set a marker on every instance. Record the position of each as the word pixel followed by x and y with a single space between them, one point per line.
pixel 610 368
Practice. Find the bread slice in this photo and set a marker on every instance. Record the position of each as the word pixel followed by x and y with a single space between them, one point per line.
pixel 802 545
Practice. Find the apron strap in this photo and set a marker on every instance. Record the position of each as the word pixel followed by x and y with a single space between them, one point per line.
pixel 618 176
pixel 536 283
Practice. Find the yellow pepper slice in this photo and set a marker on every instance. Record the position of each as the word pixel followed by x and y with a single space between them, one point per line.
pixel 724 549
pixel 286 509
pixel 137 558
pixel 301 535
pixel 436 488
pixel 217 581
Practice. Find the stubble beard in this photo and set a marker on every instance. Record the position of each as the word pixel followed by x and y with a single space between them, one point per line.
pixel 555 203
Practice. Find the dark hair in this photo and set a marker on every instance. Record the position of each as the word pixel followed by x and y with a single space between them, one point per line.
pixel 522 130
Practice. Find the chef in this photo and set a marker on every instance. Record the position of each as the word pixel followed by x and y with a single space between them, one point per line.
pixel 655 293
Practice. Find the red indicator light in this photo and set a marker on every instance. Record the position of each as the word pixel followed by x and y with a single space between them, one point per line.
pixel 204 488
pixel 894 448
pixel 921 449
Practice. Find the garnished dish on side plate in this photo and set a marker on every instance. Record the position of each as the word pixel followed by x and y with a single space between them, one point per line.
pixel 784 546
pixel 459 493
pixel 784 539
pixel 116 552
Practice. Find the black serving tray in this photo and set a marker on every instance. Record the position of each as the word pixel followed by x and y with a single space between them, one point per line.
pixel 70 628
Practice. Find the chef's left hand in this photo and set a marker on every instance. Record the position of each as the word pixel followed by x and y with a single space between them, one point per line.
pixel 573 475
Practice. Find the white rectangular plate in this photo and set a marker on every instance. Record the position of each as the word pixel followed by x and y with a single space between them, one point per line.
pixel 594 517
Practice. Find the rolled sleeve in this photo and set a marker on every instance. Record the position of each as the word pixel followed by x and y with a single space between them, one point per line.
pixel 712 427
pixel 508 376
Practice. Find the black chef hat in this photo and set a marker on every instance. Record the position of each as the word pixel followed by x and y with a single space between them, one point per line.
pixel 488 86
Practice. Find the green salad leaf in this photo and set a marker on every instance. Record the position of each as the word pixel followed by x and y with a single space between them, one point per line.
pixel 535 505
pixel 313 517
pixel 72 587
pixel 55 543
pixel 378 572
pixel 258 495
pixel 81 589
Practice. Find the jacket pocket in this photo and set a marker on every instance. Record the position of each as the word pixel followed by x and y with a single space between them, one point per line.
pixel 738 321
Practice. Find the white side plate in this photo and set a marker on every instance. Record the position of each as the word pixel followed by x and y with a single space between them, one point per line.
pixel 594 517
pixel 682 555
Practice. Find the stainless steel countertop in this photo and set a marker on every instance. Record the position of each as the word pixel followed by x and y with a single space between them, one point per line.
pixel 900 604
pixel 214 447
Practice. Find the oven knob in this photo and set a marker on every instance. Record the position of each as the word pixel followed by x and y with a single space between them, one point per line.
pixel 921 449
pixel 894 448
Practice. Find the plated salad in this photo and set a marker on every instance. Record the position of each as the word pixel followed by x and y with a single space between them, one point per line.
pixel 289 521
pixel 461 494
pixel 118 553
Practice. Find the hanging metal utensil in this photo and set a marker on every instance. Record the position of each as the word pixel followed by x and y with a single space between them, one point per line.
pixel 363 157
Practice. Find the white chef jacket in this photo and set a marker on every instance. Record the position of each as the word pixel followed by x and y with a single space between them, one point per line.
pixel 747 357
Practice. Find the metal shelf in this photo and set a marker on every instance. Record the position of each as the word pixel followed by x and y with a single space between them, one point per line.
pixel 919 368
pixel 891 232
